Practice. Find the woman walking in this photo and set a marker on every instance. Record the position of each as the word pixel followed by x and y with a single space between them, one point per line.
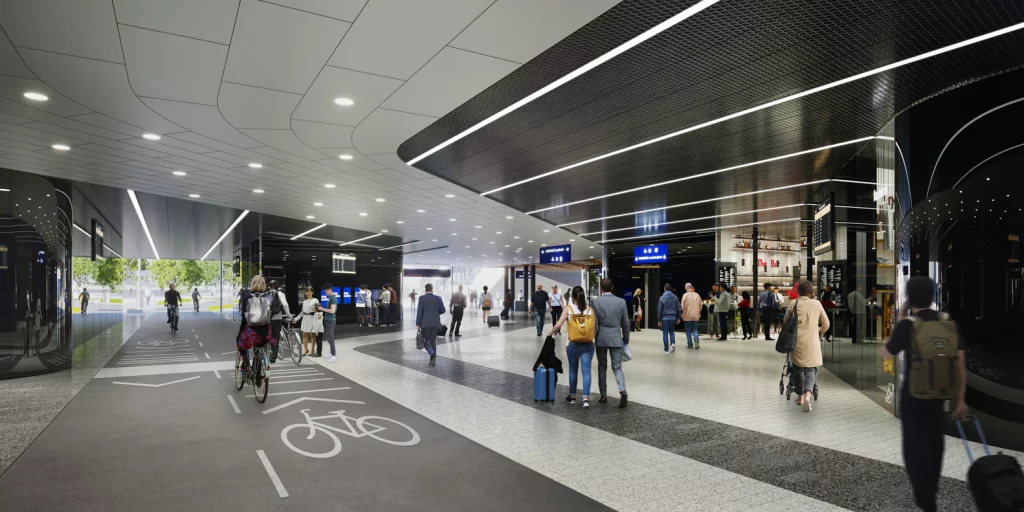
pixel 312 322
pixel 806 358
pixel 638 308
pixel 580 351
pixel 486 303
pixel 744 307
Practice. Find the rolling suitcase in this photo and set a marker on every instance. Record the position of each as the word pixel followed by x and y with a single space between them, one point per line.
pixel 492 321
pixel 996 481
pixel 443 330
pixel 544 380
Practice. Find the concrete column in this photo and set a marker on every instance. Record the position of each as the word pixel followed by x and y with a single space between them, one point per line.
pixel 138 282
pixel 222 285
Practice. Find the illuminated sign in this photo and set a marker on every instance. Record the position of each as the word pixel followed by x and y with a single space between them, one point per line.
pixel 343 263
pixel 650 253
pixel 556 254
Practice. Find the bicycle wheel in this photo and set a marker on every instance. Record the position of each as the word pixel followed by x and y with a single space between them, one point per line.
pixel 239 376
pixel 260 382
pixel 316 455
pixel 380 424
pixel 294 346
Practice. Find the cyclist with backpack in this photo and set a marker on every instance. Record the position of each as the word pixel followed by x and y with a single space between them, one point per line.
pixel 254 329
pixel 935 370
pixel 582 327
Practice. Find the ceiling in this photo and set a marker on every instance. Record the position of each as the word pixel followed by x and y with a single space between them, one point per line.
pixel 226 83
pixel 736 83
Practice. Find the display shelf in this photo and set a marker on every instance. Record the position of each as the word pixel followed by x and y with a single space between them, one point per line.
pixel 766 250
pixel 740 237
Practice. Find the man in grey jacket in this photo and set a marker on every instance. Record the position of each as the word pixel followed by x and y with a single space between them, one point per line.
pixel 670 314
pixel 428 319
pixel 612 334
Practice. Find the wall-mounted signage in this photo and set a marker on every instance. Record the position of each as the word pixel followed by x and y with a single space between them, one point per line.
pixel 650 253
pixel 3 257
pixel 323 296
pixel 824 227
pixel 346 295
pixel 343 263
pixel 520 274
pixel 97 240
pixel 556 254
pixel 727 273
pixel 1014 247
pixel 830 273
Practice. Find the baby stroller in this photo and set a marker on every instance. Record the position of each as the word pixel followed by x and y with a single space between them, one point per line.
pixel 787 376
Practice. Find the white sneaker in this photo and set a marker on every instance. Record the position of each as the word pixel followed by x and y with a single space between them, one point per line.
pixel 666 352
pixel 332 359
pixel 673 347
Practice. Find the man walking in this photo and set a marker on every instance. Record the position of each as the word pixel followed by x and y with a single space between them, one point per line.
pixel 83 298
pixel 612 334
pixel 395 313
pixel 670 314
pixel 457 304
pixel 539 305
pixel 330 320
pixel 691 306
pixel 770 302
pixel 857 304
pixel 428 319
pixel 724 308
pixel 555 301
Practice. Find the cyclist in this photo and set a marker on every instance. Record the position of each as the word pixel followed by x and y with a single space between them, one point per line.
pixel 279 313
pixel 251 335
pixel 172 299
pixel 195 299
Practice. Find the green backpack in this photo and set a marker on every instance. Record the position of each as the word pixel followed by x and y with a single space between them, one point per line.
pixel 934 367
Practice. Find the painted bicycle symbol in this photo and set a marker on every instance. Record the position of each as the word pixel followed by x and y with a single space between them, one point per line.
pixel 385 430
pixel 161 343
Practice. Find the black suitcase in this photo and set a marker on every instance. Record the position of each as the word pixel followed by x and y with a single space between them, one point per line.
pixel 996 481
pixel 492 321
pixel 443 330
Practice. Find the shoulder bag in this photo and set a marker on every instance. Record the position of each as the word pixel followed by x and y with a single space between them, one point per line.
pixel 786 341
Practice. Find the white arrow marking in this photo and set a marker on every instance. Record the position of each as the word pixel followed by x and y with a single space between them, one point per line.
pixel 156 385
pixel 312 399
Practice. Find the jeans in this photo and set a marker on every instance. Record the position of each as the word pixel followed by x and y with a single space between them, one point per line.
pixel 430 340
pixel 275 331
pixel 456 319
pixel 329 334
pixel 745 319
pixel 602 369
pixel 556 313
pixel 540 321
pixel 713 329
pixel 804 379
pixel 385 314
pixel 668 330
pixel 172 317
pixel 723 319
pixel 691 332
pixel 362 315
pixel 581 355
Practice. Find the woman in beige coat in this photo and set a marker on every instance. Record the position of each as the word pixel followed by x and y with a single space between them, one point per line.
pixel 812 322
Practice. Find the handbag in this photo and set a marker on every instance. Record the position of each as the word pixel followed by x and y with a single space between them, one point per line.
pixel 626 354
pixel 786 341
pixel 419 340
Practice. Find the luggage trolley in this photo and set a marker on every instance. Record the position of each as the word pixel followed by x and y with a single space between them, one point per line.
pixel 787 388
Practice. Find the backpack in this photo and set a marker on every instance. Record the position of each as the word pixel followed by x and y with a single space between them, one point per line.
pixel 581 326
pixel 786 340
pixel 487 301
pixel 935 346
pixel 258 309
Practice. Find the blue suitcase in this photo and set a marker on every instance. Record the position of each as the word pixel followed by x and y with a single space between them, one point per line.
pixel 544 380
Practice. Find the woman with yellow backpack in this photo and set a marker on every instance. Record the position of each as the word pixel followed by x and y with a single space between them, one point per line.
pixel 582 327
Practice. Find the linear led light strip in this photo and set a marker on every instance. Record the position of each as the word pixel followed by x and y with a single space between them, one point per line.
pixel 304 233
pixel 662 235
pixel 223 236
pixel 696 219
pixel 400 245
pixel 649 33
pixel 704 174
pixel 361 239
pixel 138 210
pixel 773 103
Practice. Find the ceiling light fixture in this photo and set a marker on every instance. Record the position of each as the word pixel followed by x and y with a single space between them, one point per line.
pixel 142 219
pixel 452 220
pixel 310 217
pixel 363 214
pixel 194 196
pixel 380 199
pixel 255 165
pixel 450 196
pixel 400 222
pixel 794 219
pixel 318 204
pixel 345 157
pixel 361 239
pixel 421 211
pixel 179 173
pixel 150 136
pixel 223 236
pixel 329 185
pixel 304 233
pixel 344 102
pixel 763 106
pixel 35 96
pixel 61 147
pixel 257 190
pixel 657 224
pixel 618 50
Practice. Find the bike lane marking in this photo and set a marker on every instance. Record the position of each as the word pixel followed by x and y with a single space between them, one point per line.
pixel 155 385
pixel 207 354
pixel 304 391
pixel 273 474
pixel 313 399
pixel 215 372
pixel 234 405
pixel 297 381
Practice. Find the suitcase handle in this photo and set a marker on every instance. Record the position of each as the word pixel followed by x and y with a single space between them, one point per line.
pixel 963 438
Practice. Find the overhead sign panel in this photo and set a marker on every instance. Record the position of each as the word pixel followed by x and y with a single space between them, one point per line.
pixel 556 254
pixel 650 253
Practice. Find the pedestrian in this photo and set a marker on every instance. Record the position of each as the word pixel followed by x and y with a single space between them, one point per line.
pixel 330 320
pixel 638 309
pixel 670 314
pixel 457 303
pixel 393 309
pixel 472 297
pixel 580 350
pixel 612 316
pixel 806 358
pixel 384 305
pixel 312 322
pixel 412 299
pixel 735 311
pixel 83 298
pixel 724 308
pixel 507 304
pixel 362 306
pixel 538 305
pixel 691 307
pixel 428 319
pixel 713 311
pixel 769 302
pixel 486 303
pixel 279 311
pixel 149 295
pixel 744 307
pixel 857 304
pixel 924 420
pixel 555 301
pixel 781 309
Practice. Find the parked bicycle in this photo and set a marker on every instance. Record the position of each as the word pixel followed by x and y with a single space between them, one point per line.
pixel 291 341
pixel 385 430
pixel 256 374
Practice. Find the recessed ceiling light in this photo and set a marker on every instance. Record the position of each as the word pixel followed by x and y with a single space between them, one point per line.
pixel 150 136
pixel 421 211
pixel 179 173
pixel 430 229
pixel 455 234
pixel 329 185
pixel 451 220
pixel 345 102
pixel 516 237
pixel 363 214
pixel 572 239
pixel 255 165
pixel 310 217
pixel 36 96
pixel 492 242
pixel 383 231
pixel 531 241
pixel 591 247
pixel 257 190
pixel 61 147
pixel 508 217
pixel 478 227
pixel 449 196
pixel 380 199
pixel 433 240
pixel 547 230
pixel 498 232
pixel 474 238
pixel 400 222
pixel 194 196
pixel 345 156
pixel 467 247
pixel 318 204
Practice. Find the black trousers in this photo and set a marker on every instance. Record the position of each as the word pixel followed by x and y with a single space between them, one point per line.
pixel 923 424
pixel 456 319
pixel 855 334
pixel 769 316
pixel 723 322
pixel 745 320
pixel 275 330
pixel 504 312
pixel 556 313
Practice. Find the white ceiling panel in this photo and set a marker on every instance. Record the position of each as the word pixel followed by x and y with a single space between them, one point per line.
pixel 210 20
pixel 204 141
pixel 10 61
pixel 113 125
pixel 166 143
pixel 255 108
pixel 356 164
pixel 13 119
pixel 280 48
pixel 80 130
pixel 284 140
pixel 101 86
pixel 385 130
pixel 450 79
pixel 83 27
pixel 366 90
pixel 341 9
pixel 323 135
pixel 499 31
pixel 202 119
pixel 395 37
pixel 173 67
pixel 59 105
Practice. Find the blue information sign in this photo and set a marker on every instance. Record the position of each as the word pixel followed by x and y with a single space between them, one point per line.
pixel 650 253
pixel 556 254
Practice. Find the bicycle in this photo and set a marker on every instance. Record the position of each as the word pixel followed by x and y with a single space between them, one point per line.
pixel 256 374
pixel 172 315
pixel 291 341
pixel 357 430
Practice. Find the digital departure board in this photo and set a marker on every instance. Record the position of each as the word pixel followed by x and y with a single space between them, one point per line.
pixel 824 226
pixel 343 263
